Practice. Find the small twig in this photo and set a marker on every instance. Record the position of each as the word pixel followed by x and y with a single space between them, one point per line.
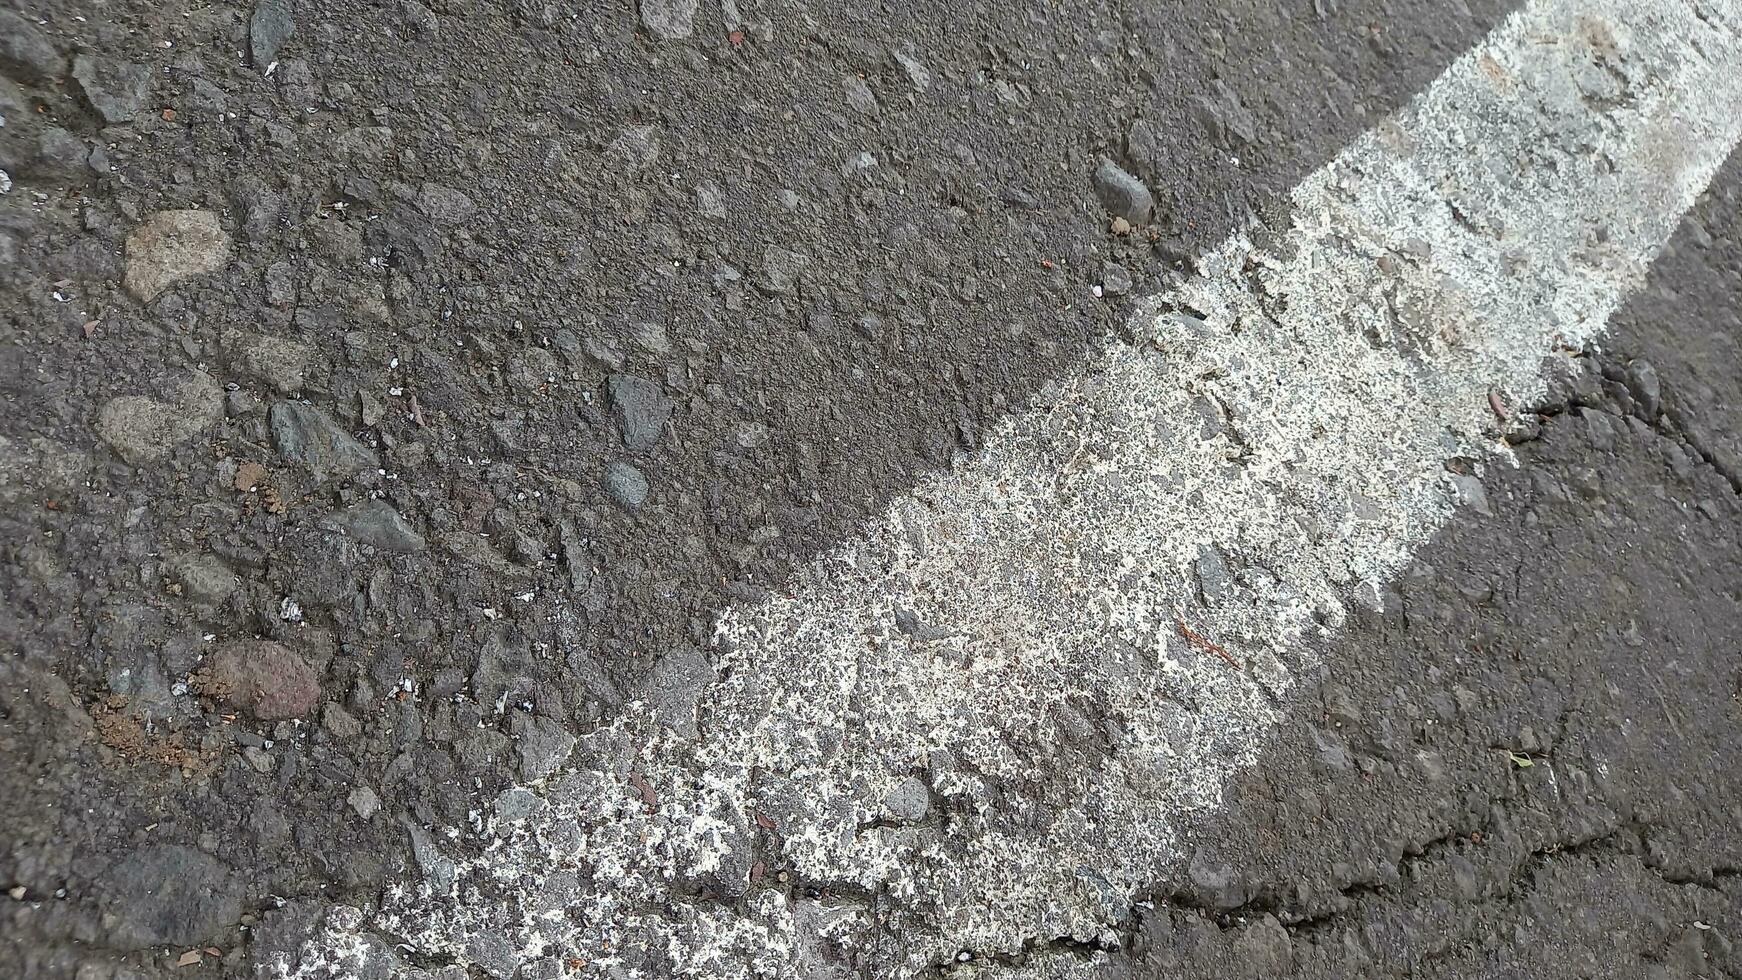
pixel 1194 637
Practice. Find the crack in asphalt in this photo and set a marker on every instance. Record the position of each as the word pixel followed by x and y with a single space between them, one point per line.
pixel 1672 423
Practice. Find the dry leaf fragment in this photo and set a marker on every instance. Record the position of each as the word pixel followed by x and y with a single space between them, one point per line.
pixel 188 958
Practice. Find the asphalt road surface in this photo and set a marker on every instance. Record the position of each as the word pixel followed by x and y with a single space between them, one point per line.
pixel 764 490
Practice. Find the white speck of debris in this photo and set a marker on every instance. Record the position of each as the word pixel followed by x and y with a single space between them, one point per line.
pixel 270 69
pixel 525 596
pixel 290 610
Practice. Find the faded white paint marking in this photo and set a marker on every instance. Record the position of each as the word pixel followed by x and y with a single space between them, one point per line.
pixel 979 726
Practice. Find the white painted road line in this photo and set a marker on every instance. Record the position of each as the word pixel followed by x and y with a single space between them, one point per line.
pixel 986 723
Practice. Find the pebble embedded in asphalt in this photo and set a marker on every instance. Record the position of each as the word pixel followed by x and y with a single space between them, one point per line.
pixel 626 485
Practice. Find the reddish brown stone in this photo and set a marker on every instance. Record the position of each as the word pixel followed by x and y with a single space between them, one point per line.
pixel 266 679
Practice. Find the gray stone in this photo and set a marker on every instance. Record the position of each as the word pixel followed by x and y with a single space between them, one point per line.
pixel 1265 949
pixel 544 747
pixel 376 523
pixel 1471 493
pixel 368 143
pixel 1115 280
pixel 447 682
pixel 445 205
pixel 279 362
pixel 491 952
pixel 438 870
pixel 1340 706
pixel 59 155
pixel 1643 382
pixel 781 269
pixel 116 89
pixel 26 53
pixel 1215 582
pixel 280 280
pixel 144 429
pixel 516 804
pixel 305 434
pixel 169 895
pixel 421 20
pixel 270 26
pixel 43 467
pixel 669 20
pixel 1143 147
pixel 574 553
pixel 635 149
pixel 675 685
pixel 651 337
pixel 917 73
pixel 626 485
pixel 339 723
pixel 205 99
pixel 1219 110
pixel 371 408
pixel 476 549
pixel 203 578
pixel 12 99
pixel 171 246
pixel 1213 882
pixel 641 410
pixel 364 802
pixel 482 749
pixel 859 95
pixel 1123 195
pixel 499 675
pixel 909 801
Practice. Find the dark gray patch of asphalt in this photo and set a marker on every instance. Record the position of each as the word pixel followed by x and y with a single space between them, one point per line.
pixel 1525 766
pixel 554 195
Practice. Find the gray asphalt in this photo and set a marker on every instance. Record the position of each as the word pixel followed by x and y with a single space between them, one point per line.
pixel 1588 624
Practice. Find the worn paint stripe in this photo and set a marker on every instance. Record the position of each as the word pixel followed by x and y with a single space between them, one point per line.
pixel 984 724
